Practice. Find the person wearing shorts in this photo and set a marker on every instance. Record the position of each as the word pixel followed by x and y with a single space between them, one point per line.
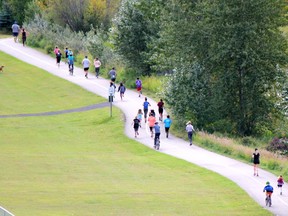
pixel 280 183
pixel 15 31
pixel 113 74
pixel 86 64
pixel 151 121
pixel 146 104
pixel 167 124
pixel 160 105
pixel 135 124
pixel 139 86
pixel 256 161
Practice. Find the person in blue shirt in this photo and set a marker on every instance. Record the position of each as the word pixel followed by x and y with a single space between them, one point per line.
pixel 268 189
pixel 145 108
pixel 71 64
pixel 167 124
pixel 157 132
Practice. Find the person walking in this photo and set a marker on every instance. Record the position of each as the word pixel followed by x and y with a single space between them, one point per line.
pixel 71 64
pixel 66 54
pixel 167 124
pixel 122 90
pixel 15 31
pixel 139 116
pixel 113 74
pixel 24 36
pixel 111 89
pixel 97 65
pixel 86 64
pixel 160 105
pixel 280 183
pixel 58 58
pixel 139 86
pixel 189 130
pixel 151 123
pixel 157 132
pixel 56 50
pixel 136 124
pixel 256 161
pixel 146 104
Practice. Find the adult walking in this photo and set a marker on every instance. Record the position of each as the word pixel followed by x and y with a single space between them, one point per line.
pixel 167 124
pixel 256 161
pixel 138 83
pixel 58 58
pixel 15 31
pixel 146 104
pixel 136 124
pixel 157 132
pixel 160 105
pixel 24 36
pixel 189 130
pixel 122 90
pixel 97 65
pixel 71 64
pixel 86 64
pixel 56 51
pixel 113 74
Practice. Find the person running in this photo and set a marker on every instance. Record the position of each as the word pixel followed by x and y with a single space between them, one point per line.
pixel 157 132
pixel 66 54
pixel 189 130
pixel 97 65
pixel 71 64
pixel 167 124
pixel 24 36
pixel 269 190
pixel 122 90
pixel 280 183
pixel 160 105
pixel 58 58
pixel 136 124
pixel 146 104
pixel 15 31
pixel 139 116
pixel 86 64
pixel 256 161
pixel 139 86
pixel 113 74
pixel 151 122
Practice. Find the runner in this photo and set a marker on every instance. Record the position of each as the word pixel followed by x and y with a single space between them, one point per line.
pixel 15 31
pixel 58 58
pixel 113 74
pixel 151 121
pixel 139 86
pixel 190 130
pixel 160 109
pixel 86 64
pixel 256 161
pixel 280 183
pixel 97 65
pixel 122 90
pixel 145 106
pixel 167 124
pixel 71 64
pixel 24 36
pixel 157 132
pixel 139 116
pixel 135 124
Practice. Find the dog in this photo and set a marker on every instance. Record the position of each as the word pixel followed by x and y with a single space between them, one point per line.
pixel 1 68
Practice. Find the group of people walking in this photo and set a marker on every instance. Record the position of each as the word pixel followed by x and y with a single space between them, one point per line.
pixel 16 30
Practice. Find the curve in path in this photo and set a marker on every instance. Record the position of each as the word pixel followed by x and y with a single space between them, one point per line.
pixel 240 173
pixel 80 109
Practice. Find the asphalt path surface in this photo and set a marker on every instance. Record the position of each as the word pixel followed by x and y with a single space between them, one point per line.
pixel 240 173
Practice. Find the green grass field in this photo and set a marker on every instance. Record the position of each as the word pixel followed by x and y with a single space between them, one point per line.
pixel 83 164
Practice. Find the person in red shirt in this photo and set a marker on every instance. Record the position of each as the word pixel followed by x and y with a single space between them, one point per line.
pixel 160 109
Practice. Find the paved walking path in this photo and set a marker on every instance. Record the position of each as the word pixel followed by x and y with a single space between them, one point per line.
pixel 240 173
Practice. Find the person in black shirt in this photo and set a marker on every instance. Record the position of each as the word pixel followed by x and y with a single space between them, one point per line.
pixel 136 124
pixel 256 161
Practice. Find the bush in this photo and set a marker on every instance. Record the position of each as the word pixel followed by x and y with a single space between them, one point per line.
pixel 279 146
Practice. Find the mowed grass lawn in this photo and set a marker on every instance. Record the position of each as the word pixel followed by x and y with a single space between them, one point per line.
pixel 83 164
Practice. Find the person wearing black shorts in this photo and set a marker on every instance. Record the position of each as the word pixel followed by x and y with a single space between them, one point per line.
pixel 136 124
pixel 256 161
pixel 160 109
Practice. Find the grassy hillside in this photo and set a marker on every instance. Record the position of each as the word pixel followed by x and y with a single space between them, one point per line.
pixel 83 164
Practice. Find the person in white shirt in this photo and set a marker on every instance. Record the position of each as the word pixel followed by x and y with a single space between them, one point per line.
pixel 97 65
pixel 190 130
pixel 86 64
pixel 15 31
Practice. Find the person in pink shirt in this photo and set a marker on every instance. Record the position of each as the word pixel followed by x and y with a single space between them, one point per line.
pixel 97 65
pixel 151 121
pixel 56 51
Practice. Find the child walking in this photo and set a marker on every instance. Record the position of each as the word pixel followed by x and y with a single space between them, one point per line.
pixel 139 116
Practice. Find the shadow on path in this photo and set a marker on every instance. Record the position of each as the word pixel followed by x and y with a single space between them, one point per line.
pixel 81 109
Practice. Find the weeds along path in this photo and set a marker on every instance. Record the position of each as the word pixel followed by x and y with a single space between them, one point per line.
pixel 240 173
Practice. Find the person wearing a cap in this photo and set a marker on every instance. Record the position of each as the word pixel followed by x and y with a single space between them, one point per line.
pixel 157 132
pixel 189 129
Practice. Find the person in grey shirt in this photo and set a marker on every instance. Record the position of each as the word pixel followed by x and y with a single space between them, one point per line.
pixel 15 31
pixel 86 64
pixel 190 130
pixel 113 74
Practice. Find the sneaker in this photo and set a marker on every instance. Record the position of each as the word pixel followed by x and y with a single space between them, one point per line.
pixel 280 193
pixel 190 144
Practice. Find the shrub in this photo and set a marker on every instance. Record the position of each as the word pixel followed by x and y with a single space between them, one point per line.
pixel 279 146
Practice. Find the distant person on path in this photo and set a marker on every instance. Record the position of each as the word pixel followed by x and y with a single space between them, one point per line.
pixel 160 105
pixel 97 65
pixel 111 90
pixel 256 161
pixel 24 36
pixel 66 54
pixel 136 124
pixel 56 50
pixel 146 104
pixel 86 64
pixel 58 58
pixel 152 112
pixel 157 132
pixel 139 86
pixel 280 183
pixel 268 189
pixel 139 116
pixel 122 90
pixel 113 74
pixel 71 64
pixel 167 124
pixel 151 122
pixel 189 130
pixel 15 31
